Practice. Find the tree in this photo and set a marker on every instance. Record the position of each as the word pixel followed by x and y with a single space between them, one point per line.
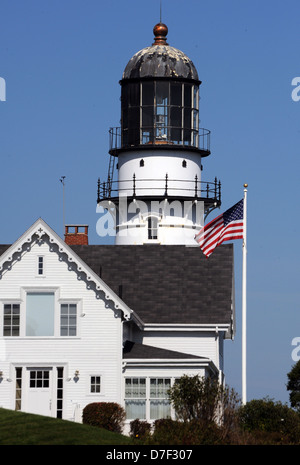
pixel 293 386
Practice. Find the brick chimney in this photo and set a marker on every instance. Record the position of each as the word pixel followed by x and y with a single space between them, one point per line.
pixel 76 234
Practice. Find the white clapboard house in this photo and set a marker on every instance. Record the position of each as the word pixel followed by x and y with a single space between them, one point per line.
pixel 83 323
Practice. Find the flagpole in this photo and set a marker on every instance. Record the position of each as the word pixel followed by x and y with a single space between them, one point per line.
pixel 244 303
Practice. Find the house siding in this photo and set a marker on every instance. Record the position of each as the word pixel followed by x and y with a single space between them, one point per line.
pixel 97 350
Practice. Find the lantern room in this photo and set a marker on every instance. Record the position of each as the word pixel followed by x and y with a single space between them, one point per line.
pixel 160 100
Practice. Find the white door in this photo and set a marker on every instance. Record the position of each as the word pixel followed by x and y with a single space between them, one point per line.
pixel 39 391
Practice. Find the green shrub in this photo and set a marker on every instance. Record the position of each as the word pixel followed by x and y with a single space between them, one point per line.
pixel 262 416
pixel 107 415
pixel 139 429
pixel 194 432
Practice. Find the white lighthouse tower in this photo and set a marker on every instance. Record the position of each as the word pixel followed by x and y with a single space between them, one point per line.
pixel 158 195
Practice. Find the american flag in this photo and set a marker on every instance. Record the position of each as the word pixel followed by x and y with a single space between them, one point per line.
pixel 228 226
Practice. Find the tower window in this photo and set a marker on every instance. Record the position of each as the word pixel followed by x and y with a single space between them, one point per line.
pixel 152 227
pixel 142 163
pixel 184 164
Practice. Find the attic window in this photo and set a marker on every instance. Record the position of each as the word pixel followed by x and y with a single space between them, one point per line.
pixel 40 266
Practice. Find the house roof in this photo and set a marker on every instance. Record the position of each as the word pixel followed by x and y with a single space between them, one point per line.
pixel 135 354
pixel 134 350
pixel 3 248
pixel 170 284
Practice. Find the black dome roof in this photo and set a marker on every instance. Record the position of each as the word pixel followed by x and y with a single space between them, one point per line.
pixel 160 60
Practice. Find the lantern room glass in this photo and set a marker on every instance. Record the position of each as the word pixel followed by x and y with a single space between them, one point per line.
pixel 160 112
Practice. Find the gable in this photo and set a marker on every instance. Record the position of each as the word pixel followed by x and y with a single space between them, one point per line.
pixel 41 234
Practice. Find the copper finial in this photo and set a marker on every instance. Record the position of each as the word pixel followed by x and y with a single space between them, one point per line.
pixel 160 31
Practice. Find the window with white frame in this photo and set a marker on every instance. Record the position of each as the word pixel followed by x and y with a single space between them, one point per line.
pixel 40 266
pixel 68 319
pixel 11 319
pixel 135 398
pixel 40 314
pixel 95 384
pixel 152 228
pixel 160 406
pixel 147 398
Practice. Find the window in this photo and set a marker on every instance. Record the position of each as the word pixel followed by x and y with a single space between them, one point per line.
pixel 40 314
pixel 59 400
pixel 147 398
pixel 159 400
pixel 68 319
pixel 39 378
pixel 11 320
pixel 162 106
pixel 40 266
pixel 135 398
pixel 18 403
pixel 95 385
pixel 152 227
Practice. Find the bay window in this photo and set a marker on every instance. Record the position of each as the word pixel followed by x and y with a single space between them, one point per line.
pixel 147 398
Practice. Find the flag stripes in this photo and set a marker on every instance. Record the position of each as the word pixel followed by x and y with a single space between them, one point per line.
pixel 226 227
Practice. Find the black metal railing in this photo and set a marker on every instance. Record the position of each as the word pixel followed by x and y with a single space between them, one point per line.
pixel 163 187
pixel 160 135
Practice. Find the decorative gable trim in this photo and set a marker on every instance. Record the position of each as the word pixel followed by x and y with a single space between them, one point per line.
pixel 36 233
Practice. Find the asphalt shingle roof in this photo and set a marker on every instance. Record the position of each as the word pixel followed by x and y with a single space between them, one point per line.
pixel 133 350
pixel 167 284
pixel 170 284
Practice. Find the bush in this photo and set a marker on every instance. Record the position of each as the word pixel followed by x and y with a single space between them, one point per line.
pixel 194 432
pixel 139 429
pixel 270 421
pixel 107 415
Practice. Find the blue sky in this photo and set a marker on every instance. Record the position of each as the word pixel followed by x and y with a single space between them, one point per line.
pixel 62 61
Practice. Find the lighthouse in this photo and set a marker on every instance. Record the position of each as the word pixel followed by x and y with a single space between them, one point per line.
pixel 154 188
